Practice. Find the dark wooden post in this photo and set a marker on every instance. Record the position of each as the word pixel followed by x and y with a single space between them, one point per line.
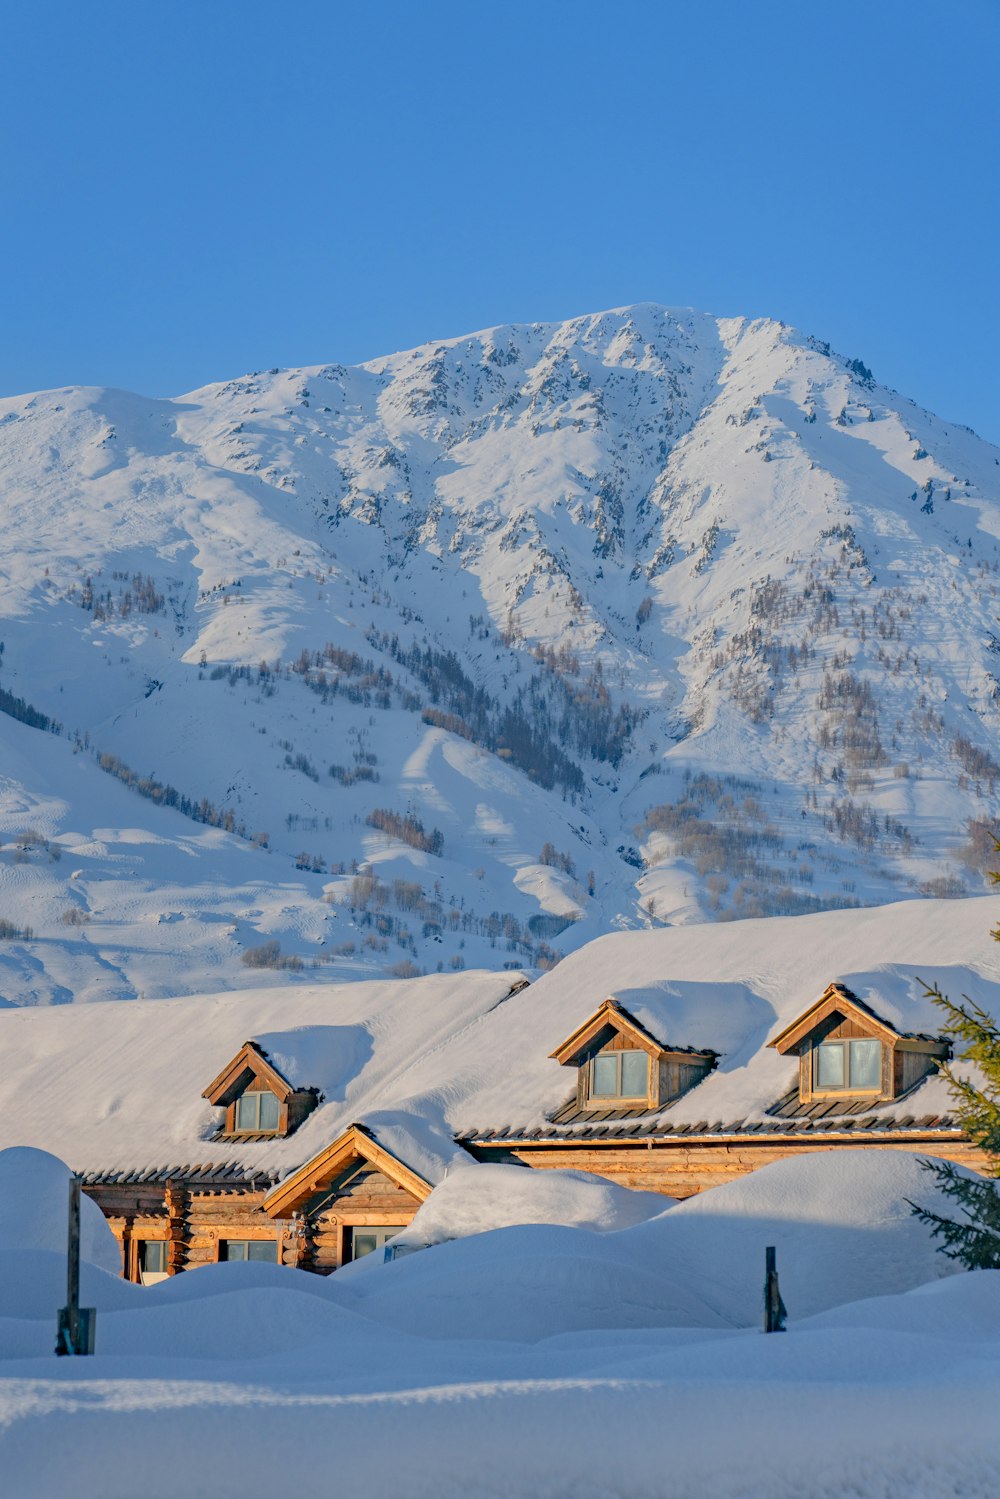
pixel 77 1324
pixel 175 1200
pixel 775 1311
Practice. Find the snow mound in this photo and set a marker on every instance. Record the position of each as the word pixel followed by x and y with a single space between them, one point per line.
pixel 33 1219
pixel 512 1353
pixel 525 1284
pixel 472 1199
pixel 841 1223
pixel 34 1192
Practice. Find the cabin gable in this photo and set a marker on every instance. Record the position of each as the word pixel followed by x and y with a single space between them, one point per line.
pixel 339 1161
pixel 259 1102
pixel 847 1053
pixel 620 1065
pixel 349 1200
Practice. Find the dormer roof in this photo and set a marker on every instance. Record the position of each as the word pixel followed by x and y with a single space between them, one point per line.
pixel 837 999
pixel 612 1016
pixel 356 1144
pixel 249 1062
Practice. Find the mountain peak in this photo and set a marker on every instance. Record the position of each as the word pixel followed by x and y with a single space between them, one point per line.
pixel 641 616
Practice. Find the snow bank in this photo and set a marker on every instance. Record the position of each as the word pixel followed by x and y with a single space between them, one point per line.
pixel 473 1199
pixel 840 1221
pixel 534 1361
pixel 528 1283
pixel 34 1193
pixel 33 1220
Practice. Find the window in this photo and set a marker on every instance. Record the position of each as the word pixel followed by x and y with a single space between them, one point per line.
pixel 152 1260
pixel 367 1240
pixel 848 1066
pixel 619 1074
pixel 261 1251
pixel 257 1113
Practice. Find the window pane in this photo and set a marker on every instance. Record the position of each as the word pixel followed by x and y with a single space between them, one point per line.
pixel 830 1065
pixel 635 1074
pixel 268 1111
pixel 264 1251
pixel 605 1083
pixel 365 1241
pixel 153 1255
pixel 866 1064
pixel 234 1249
pixel 246 1111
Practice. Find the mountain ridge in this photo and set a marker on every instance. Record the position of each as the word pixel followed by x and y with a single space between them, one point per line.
pixel 641 616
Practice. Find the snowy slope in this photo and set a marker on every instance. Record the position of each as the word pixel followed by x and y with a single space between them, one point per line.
pixel 490 645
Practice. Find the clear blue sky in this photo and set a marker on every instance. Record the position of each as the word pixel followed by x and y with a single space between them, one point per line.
pixel 194 188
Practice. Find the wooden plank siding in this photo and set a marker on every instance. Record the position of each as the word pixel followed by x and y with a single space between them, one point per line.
pixel 683 1169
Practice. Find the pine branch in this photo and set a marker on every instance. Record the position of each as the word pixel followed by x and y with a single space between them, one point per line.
pixel 974 1239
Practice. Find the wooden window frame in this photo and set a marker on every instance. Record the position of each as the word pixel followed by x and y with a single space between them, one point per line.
pixel 809 1093
pixel 154 1236
pixel 232 1128
pixel 371 1228
pixel 847 1090
pixel 617 1100
pixel 258 1094
pixel 249 1236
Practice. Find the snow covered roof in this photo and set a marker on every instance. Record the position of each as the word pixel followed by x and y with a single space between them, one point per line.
pixel 117 1086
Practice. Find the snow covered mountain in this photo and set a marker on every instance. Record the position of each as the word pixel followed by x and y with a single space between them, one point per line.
pixel 468 654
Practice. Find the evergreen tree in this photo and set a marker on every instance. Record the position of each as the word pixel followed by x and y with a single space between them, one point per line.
pixel 975 1238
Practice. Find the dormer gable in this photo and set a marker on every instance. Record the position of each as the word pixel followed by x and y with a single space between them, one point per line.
pixel 355 1147
pixel 259 1101
pixel 622 1066
pixel 848 1052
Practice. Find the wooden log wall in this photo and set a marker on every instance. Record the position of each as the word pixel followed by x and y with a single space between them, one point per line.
pixel 196 1220
pixel 679 1170
pixel 366 1199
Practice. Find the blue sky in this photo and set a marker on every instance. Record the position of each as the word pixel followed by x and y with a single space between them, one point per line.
pixel 191 190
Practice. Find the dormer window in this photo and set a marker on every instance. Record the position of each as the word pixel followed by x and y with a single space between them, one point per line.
pixel 619 1074
pixel 257 1099
pixel 257 1113
pixel 620 1066
pixel 846 1052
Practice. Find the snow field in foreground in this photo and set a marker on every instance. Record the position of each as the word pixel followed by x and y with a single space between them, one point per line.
pixel 541 1361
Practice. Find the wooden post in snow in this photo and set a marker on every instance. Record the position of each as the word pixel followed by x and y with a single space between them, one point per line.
pixel 775 1311
pixel 77 1324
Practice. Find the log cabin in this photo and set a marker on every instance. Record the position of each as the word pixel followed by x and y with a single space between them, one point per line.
pixel 315 1139
pixel 858 1082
